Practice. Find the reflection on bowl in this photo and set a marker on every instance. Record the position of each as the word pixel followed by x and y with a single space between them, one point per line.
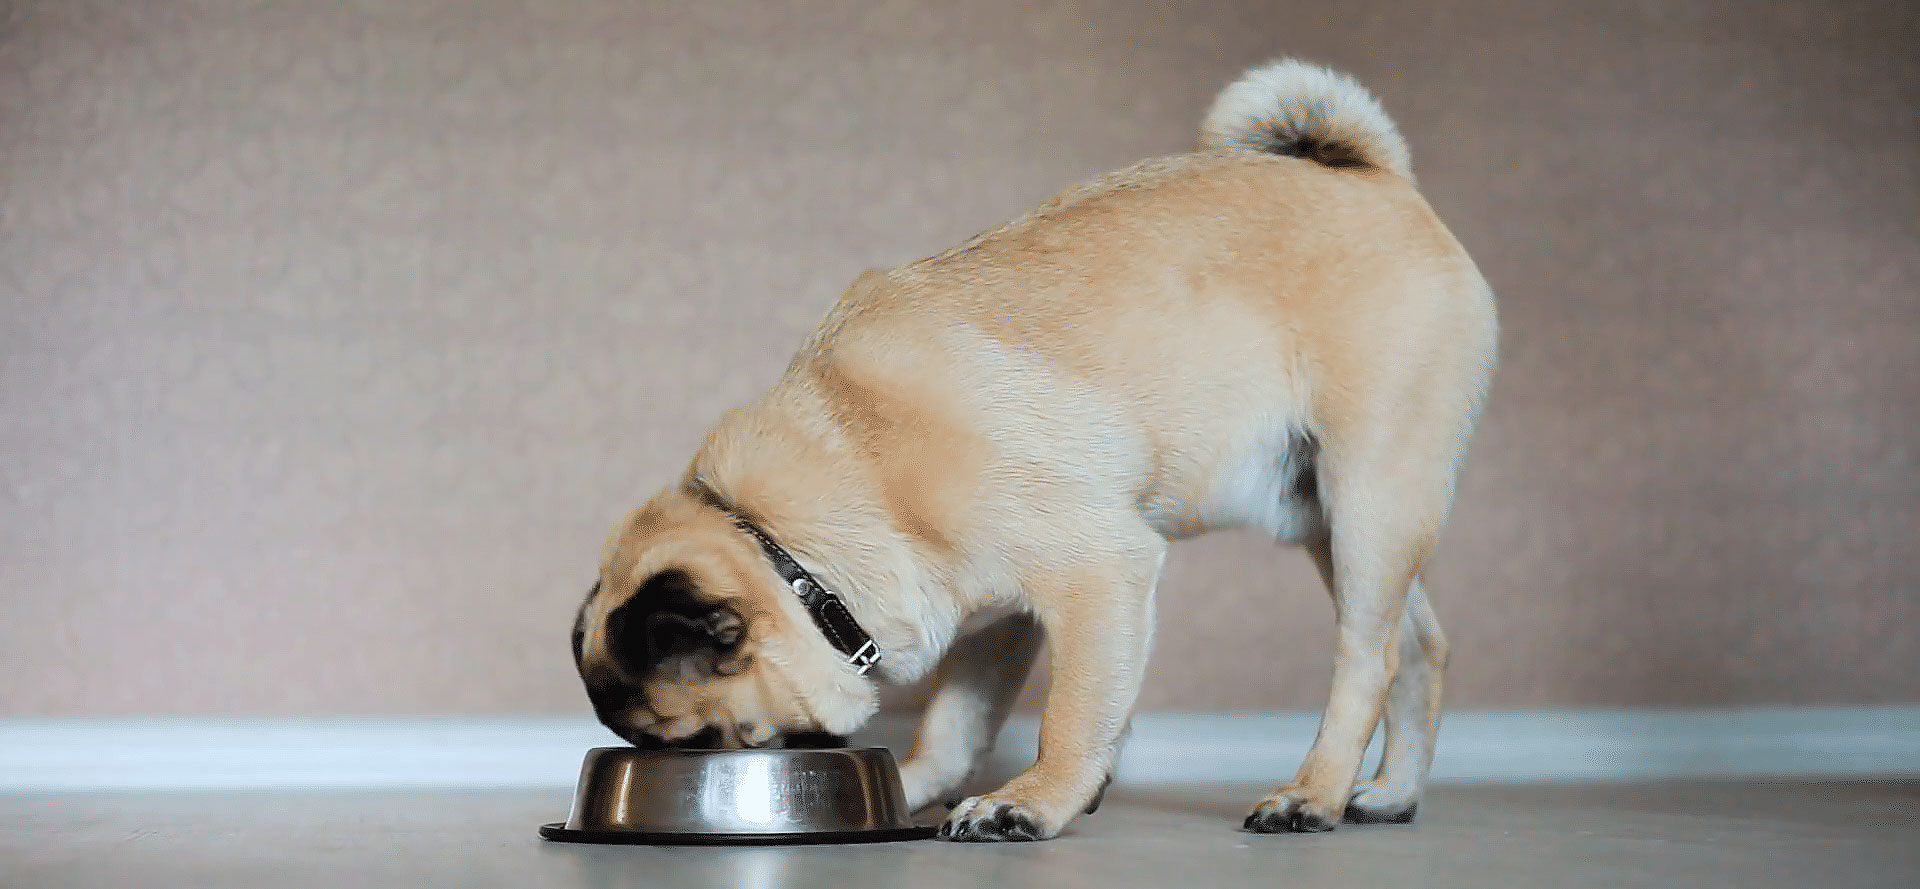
pixel 627 795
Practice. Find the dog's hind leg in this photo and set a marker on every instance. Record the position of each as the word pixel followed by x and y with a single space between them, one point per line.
pixel 1386 487
pixel 1412 717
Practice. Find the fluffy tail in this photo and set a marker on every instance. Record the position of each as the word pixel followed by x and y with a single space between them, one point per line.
pixel 1294 108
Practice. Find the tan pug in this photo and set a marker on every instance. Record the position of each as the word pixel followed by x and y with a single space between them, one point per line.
pixel 999 442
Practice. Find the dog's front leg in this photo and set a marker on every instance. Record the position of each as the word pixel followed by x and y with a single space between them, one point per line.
pixel 972 693
pixel 1098 620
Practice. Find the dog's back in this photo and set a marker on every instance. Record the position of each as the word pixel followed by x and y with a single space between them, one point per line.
pixel 1182 332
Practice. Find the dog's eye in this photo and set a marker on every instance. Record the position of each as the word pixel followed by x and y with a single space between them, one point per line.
pixel 665 620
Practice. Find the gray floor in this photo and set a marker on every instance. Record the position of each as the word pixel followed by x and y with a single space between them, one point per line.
pixel 1737 835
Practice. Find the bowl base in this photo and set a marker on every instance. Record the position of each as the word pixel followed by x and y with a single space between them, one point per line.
pixel 558 832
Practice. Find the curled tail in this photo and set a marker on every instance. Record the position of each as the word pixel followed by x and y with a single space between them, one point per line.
pixel 1295 108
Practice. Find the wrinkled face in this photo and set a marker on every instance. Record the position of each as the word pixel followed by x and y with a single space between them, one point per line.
pixel 681 645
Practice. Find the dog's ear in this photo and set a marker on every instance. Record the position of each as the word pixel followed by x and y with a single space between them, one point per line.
pixel 665 620
pixel 580 628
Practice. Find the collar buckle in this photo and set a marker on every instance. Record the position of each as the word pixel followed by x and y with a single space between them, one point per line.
pixel 864 659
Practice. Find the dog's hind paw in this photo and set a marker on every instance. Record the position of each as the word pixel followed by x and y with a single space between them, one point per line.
pixel 1376 803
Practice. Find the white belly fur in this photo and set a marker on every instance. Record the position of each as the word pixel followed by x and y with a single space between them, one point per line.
pixel 1261 487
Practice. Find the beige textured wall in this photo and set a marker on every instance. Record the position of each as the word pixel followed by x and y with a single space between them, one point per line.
pixel 337 336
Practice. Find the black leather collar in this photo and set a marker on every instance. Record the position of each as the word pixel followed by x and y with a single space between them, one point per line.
pixel 828 612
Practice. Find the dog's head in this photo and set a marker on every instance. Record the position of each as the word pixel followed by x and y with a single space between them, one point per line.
pixel 691 640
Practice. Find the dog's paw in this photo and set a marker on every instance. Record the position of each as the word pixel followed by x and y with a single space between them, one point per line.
pixel 923 784
pixel 1374 802
pixel 988 820
pixel 1290 811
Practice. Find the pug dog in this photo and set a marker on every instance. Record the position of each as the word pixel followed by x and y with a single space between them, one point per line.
pixel 997 444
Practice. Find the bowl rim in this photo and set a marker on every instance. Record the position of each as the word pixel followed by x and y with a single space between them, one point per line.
pixel 559 833
pixel 680 751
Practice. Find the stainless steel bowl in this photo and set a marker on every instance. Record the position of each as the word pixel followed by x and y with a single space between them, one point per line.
pixel 627 795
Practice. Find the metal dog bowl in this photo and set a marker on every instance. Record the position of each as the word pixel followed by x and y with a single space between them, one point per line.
pixel 719 797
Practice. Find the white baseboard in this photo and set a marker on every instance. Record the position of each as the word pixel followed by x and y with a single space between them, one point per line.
pixel 544 751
